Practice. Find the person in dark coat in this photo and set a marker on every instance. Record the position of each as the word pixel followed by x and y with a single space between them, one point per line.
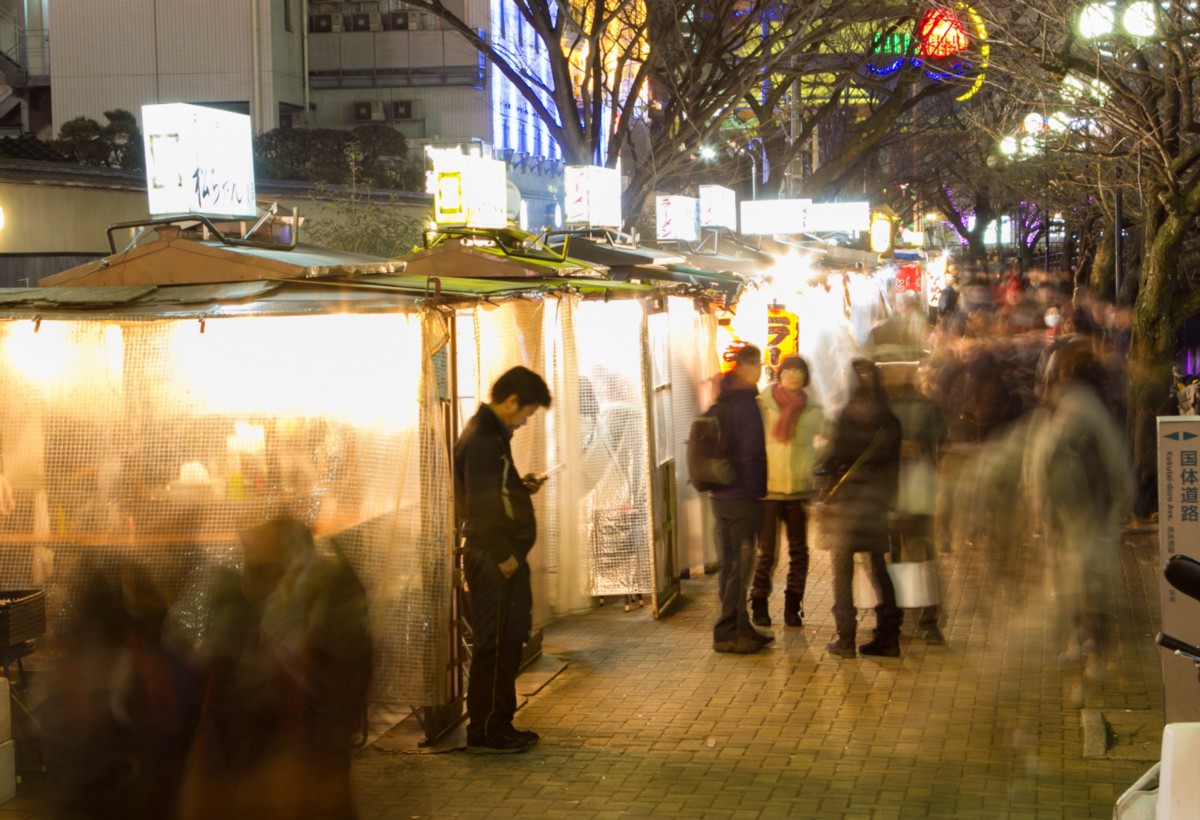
pixel 863 463
pixel 738 508
pixel 495 511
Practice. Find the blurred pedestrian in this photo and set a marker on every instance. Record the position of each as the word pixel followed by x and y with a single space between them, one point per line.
pixel 288 660
pixel 910 524
pixel 1080 485
pixel 495 512
pixel 863 463
pixel 738 508
pixel 792 420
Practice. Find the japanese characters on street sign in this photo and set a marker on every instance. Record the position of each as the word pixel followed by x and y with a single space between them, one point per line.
pixel 1179 534
pixel 199 160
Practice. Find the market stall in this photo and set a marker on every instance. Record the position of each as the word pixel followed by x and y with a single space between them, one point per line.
pixel 149 425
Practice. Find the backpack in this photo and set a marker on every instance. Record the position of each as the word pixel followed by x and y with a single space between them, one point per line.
pixel 709 462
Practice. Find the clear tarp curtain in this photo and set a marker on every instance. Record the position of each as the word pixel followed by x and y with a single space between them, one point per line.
pixel 565 530
pixel 616 505
pixel 695 362
pixel 155 442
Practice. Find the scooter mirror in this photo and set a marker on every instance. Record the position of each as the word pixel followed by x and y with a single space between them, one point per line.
pixel 1183 573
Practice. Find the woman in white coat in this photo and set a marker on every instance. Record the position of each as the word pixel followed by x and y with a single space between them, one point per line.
pixel 792 421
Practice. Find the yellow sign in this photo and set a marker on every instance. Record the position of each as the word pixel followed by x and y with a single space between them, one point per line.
pixel 783 333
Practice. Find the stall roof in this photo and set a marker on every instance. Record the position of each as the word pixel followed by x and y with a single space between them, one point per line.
pixel 459 287
pixel 173 259
pixel 609 255
pixel 490 257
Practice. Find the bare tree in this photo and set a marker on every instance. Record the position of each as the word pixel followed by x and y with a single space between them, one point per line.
pixel 651 83
pixel 1129 102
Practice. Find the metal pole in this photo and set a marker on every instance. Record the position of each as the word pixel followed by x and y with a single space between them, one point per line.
pixel 1118 246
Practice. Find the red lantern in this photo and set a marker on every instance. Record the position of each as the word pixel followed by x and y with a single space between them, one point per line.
pixel 942 34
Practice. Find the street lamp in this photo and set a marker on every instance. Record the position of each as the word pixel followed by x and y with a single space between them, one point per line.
pixel 1097 21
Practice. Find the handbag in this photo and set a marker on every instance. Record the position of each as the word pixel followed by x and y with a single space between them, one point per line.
pixel 915 582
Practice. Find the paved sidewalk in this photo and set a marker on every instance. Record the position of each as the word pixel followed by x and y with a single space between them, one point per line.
pixel 647 720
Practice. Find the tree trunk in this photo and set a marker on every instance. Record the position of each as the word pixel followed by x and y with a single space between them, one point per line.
pixel 1151 354
pixel 1100 281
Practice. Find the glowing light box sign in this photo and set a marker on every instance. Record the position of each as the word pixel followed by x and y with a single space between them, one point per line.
pixel 198 160
pixel 677 217
pixel 593 196
pixel 470 192
pixel 718 207
pixel 772 216
pixel 838 216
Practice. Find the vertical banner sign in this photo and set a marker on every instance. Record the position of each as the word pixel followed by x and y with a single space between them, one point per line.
pixel 677 217
pixel 718 207
pixel 593 196
pixel 783 328
pixel 1179 534
pixel 198 161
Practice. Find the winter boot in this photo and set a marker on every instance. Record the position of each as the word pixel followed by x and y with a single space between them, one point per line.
pixel 843 647
pixel 793 609
pixel 884 644
pixel 758 612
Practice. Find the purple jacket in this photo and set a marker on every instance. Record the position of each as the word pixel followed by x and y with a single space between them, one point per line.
pixel 748 445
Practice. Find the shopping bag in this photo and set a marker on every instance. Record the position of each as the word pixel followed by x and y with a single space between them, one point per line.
pixel 916 583
pixel 864 591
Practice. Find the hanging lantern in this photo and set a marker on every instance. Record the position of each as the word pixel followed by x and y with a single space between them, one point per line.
pixel 942 34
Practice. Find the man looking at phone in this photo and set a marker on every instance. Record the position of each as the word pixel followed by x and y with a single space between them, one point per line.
pixel 495 514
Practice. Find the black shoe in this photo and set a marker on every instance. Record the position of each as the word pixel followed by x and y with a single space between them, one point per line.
pixel 758 612
pixel 530 737
pixel 742 645
pixel 881 647
pixel 934 637
pixel 502 745
pixel 763 638
pixel 793 609
pixel 842 648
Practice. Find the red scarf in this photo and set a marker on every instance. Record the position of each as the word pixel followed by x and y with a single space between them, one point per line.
pixel 792 405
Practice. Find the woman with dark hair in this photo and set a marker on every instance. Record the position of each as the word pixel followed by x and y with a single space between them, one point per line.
pixel 791 422
pixel 863 464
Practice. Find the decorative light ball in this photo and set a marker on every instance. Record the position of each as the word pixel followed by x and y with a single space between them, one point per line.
pixel 942 34
pixel 1138 19
pixel 1034 123
pixel 1008 146
pixel 1096 20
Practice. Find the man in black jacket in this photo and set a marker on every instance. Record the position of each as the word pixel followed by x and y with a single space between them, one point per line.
pixel 495 512
pixel 738 508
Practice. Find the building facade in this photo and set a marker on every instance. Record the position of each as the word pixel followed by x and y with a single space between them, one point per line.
pixel 308 64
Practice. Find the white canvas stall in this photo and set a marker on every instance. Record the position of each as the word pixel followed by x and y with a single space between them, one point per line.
pixel 155 441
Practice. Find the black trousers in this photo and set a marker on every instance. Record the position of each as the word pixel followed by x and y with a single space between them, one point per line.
pixel 795 519
pixel 496 656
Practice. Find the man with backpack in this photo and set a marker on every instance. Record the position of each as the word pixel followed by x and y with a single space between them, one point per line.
pixel 737 507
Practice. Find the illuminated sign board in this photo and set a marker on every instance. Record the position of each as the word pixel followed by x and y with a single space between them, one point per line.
pixel 677 217
pixel 593 196
pixel 198 160
pixel 838 216
pixel 470 192
pixel 772 216
pixel 718 207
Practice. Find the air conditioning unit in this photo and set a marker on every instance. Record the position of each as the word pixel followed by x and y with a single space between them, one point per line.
pixel 404 110
pixel 320 23
pixel 369 111
pixel 398 20
pixel 359 22
pixel 336 22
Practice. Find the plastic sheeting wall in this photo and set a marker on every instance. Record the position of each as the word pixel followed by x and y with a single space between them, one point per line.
pixel 616 505
pixel 155 442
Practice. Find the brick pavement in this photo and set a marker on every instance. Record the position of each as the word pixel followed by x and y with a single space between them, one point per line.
pixel 647 720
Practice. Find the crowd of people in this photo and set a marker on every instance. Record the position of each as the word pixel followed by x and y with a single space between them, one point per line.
pixel 999 418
